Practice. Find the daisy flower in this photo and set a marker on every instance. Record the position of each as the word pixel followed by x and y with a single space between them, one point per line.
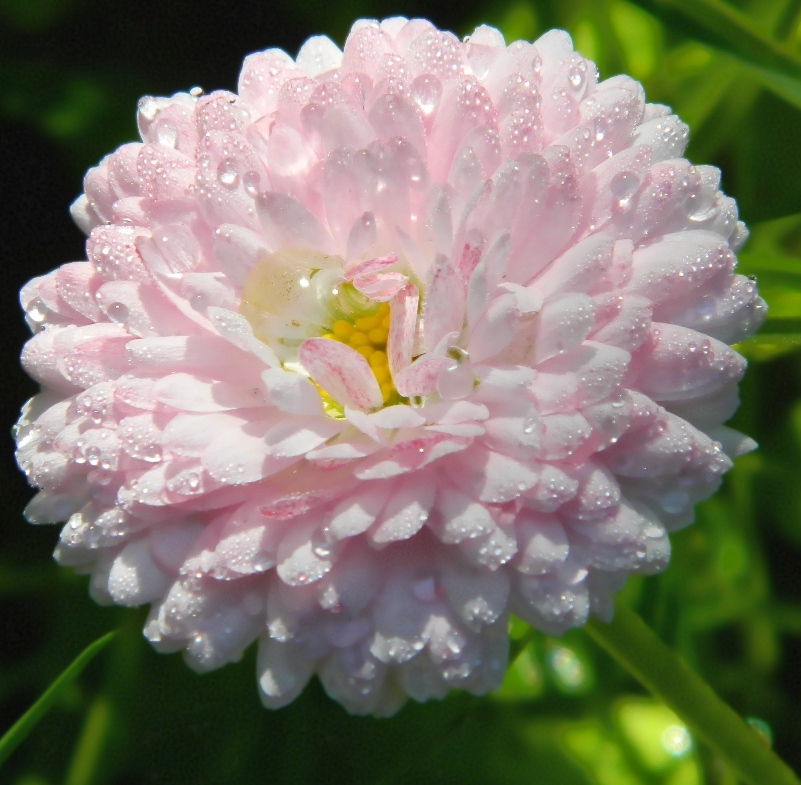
pixel 394 342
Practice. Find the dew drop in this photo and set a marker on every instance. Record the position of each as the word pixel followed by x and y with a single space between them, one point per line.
pixel 674 501
pixel 706 307
pixel 117 312
pixel 577 76
pixel 600 130
pixel 455 382
pixel 251 180
pixel 426 91
pixel 623 186
pixel 227 174
pixel 322 545
pixel 37 311
pixel 151 453
pixel 699 209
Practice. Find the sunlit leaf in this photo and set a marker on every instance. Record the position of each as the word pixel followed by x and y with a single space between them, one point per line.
pixel 659 739
pixel 720 25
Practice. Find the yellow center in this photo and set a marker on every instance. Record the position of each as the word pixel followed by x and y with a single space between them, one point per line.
pixel 295 294
pixel 368 336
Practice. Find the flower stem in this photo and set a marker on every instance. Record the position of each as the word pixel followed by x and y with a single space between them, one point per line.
pixel 656 666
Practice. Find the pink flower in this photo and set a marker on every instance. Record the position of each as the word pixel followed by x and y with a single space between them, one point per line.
pixel 392 343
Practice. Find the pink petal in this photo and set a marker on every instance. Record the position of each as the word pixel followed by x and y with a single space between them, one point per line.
pixel 406 511
pixel 443 305
pixel 420 378
pixel 342 372
pixel 381 287
pixel 288 223
pixel 402 328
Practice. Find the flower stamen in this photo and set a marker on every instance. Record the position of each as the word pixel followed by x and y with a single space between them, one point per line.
pixel 368 335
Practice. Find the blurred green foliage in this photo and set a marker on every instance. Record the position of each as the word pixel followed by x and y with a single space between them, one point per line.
pixel 566 714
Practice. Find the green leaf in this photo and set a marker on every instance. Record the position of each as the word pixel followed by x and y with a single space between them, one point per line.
pixel 772 271
pixel 783 328
pixel 20 730
pixel 719 25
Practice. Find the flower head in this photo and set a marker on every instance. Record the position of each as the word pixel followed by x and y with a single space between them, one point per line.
pixel 392 343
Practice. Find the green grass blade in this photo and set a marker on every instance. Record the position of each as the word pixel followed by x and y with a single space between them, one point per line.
pixel 723 27
pixel 25 724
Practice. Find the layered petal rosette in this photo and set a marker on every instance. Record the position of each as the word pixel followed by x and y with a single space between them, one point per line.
pixel 394 342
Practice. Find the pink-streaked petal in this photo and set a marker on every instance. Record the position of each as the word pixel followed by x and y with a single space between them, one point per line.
pixel 341 372
pixel 443 305
pixel 381 287
pixel 420 378
pixel 402 328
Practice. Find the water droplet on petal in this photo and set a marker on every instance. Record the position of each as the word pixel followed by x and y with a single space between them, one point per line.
pixel 706 307
pixel 251 180
pixel 600 130
pixel 37 310
pixel 322 544
pixel 623 186
pixel 698 208
pixel 456 382
pixel 674 501
pixel 117 312
pixel 227 174
pixel 577 76
pixel 426 91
